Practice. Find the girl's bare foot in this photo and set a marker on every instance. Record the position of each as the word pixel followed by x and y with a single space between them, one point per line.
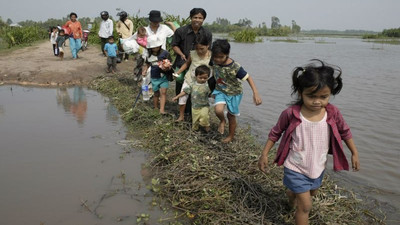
pixel 221 127
pixel 227 139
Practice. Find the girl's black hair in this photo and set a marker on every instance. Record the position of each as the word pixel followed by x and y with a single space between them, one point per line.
pixel 196 11
pixel 202 69
pixel 220 46
pixel 202 40
pixel 73 14
pixel 317 74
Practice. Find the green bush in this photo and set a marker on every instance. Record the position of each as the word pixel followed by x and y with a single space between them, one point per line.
pixel 248 35
pixel 14 36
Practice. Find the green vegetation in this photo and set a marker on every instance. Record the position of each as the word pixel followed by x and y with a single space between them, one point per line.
pixel 215 183
pixel 387 36
pixel 244 32
pixel 247 35
pixel 14 36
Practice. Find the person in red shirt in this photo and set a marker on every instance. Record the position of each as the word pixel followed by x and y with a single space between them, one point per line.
pixel 75 34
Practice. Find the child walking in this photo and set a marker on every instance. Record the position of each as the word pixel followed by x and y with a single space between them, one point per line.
pixel 111 51
pixel 199 91
pixel 311 128
pixel 228 89
pixel 158 61
pixel 60 43
pixel 53 38
pixel 200 56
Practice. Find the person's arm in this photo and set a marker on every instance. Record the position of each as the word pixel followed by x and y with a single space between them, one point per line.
pixel 130 27
pixel 256 97
pixel 171 25
pixel 118 28
pixel 179 95
pixel 178 51
pixel 263 160
pixel 185 65
pixel 355 163
pixel 111 27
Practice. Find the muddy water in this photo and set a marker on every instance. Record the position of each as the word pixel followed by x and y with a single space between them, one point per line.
pixel 60 148
pixel 369 101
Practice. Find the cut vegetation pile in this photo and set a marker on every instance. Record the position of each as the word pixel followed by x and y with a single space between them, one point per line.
pixel 215 183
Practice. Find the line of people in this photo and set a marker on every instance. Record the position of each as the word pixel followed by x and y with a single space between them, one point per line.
pixel 311 127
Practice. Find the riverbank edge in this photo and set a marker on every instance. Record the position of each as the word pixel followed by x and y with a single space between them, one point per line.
pixel 215 183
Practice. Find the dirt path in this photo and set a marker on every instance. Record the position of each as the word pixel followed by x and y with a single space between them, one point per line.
pixel 36 65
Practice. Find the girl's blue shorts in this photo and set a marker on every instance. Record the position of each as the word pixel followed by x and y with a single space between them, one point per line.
pixel 299 183
pixel 232 102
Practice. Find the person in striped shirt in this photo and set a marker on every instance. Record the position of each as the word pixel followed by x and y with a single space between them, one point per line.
pixel 311 128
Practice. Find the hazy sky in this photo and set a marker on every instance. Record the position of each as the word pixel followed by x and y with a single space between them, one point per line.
pixel 373 15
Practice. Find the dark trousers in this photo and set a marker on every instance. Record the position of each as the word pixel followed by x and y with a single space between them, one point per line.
pixel 112 62
pixel 103 43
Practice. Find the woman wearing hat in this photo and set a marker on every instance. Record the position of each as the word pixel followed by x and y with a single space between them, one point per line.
pixel 155 28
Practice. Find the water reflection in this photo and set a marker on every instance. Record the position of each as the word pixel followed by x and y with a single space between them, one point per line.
pixel 77 106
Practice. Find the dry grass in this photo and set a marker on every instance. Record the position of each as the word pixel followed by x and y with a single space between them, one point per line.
pixel 215 183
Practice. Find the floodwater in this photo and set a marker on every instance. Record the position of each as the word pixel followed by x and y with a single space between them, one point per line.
pixel 64 160
pixel 61 148
pixel 369 102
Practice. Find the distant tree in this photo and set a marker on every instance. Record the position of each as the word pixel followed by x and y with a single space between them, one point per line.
pixel 244 23
pixel 9 21
pixel 295 28
pixel 275 23
pixel 222 21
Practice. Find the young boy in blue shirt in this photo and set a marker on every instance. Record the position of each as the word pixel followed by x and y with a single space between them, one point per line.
pixel 111 51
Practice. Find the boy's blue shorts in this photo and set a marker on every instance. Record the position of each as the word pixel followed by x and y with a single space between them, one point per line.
pixel 159 83
pixel 232 102
pixel 299 183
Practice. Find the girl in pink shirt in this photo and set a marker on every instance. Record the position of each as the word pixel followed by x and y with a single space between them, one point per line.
pixel 311 129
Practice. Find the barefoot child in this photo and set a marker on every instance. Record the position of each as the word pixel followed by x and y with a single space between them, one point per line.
pixel 158 60
pixel 111 51
pixel 200 56
pixel 228 90
pixel 311 128
pixel 60 43
pixel 199 91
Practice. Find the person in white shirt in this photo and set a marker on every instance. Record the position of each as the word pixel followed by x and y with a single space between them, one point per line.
pixel 106 29
pixel 155 28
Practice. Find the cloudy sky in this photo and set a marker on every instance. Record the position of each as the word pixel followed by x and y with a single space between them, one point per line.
pixel 373 15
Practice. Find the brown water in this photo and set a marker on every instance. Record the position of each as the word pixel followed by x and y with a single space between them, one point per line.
pixel 60 148
pixel 369 101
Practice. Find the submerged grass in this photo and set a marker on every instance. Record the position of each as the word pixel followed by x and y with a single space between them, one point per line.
pixel 215 183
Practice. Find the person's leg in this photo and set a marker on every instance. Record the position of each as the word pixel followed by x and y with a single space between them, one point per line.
pixel 304 205
pixel 291 198
pixel 182 103
pixel 103 43
pixel 163 99
pixel 114 64
pixel 232 128
pixel 72 47
pixel 205 118
pixel 219 112
pixel 109 64
pixel 156 98
pixel 78 46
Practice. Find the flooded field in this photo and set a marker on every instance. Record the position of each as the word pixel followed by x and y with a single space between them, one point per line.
pixel 64 160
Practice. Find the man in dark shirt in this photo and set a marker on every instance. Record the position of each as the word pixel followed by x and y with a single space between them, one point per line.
pixel 184 37
pixel 184 41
